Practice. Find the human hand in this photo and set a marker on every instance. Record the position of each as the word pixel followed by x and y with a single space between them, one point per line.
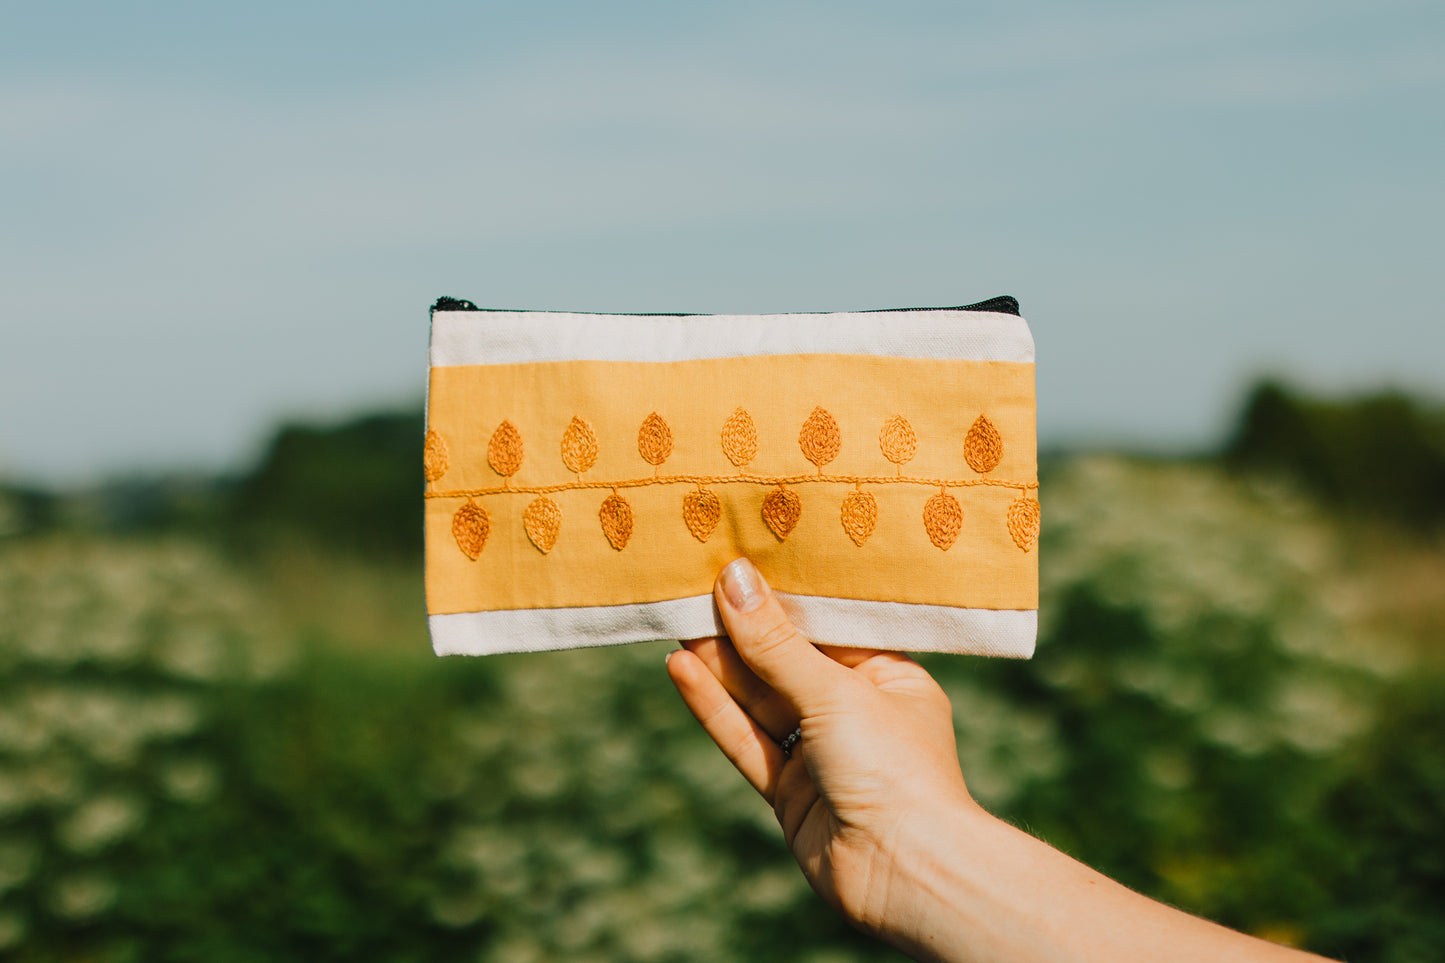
pixel 875 775
pixel 873 805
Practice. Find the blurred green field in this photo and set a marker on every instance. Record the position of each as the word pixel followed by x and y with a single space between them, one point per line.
pixel 235 751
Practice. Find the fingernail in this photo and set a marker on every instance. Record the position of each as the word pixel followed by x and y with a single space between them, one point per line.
pixel 743 585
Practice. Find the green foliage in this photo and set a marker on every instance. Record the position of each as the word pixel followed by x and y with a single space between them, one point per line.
pixel 24 511
pixel 352 487
pixel 1382 455
pixel 1388 890
pixel 1214 698
pixel 181 777
pixel 193 764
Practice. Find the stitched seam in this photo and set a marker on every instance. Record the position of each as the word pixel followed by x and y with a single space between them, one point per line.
pixel 820 441
pixel 764 480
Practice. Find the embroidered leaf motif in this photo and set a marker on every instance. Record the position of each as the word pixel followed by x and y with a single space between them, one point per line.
pixel 740 438
pixel 504 452
pixel 654 440
pixel 898 441
pixel 1024 516
pixel 943 520
pixel 781 510
pixel 616 518
pixel 543 520
pixel 434 456
pixel 860 514
pixel 819 438
pixel 983 447
pixel 701 510
pixel 579 446
pixel 470 527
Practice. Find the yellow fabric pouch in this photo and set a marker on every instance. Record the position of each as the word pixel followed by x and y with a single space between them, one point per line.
pixel 588 475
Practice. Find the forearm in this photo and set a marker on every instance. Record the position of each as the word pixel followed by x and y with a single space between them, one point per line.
pixel 877 814
pixel 980 891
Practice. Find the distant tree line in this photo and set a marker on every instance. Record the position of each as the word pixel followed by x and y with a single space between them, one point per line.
pixel 357 485
pixel 1382 455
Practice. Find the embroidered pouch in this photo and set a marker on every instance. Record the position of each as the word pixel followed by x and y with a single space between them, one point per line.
pixel 588 475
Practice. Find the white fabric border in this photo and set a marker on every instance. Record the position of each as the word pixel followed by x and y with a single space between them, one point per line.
pixel 1008 633
pixel 516 337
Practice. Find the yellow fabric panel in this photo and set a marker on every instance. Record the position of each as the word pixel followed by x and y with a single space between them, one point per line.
pixel 984 567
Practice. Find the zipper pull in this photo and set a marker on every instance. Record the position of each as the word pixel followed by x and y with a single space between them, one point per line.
pixel 453 304
pixel 1003 304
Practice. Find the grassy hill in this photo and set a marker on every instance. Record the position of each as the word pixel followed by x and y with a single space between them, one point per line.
pixel 1236 706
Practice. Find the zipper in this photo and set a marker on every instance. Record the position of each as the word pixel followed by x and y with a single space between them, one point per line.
pixel 1004 304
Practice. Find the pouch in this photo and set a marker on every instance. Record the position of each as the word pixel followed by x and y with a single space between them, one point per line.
pixel 588 476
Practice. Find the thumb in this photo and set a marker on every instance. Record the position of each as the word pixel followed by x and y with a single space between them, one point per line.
pixel 771 645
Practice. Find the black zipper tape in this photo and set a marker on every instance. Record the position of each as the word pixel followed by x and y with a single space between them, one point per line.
pixel 1004 304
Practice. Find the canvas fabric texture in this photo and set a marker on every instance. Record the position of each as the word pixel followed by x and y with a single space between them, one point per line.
pixel 588 475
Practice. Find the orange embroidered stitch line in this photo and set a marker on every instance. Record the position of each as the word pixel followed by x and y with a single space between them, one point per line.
pixel 701 511
pixel 1024 515
pixel 579 446
pixel 654 440
pixel 943 520
pixel 505 450
pixel 768 480
pixel 781 510
pixel 435 459
pixel 983 448
pixel 859 515
pixel 898 441
pixel 740 438
pixel 470 527
pixel 616 517
pixel 542 521
pixel 819 439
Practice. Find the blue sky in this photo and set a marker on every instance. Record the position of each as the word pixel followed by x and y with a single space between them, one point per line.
pixel 212 217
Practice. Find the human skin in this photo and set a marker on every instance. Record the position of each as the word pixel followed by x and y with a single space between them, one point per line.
pixel 873 805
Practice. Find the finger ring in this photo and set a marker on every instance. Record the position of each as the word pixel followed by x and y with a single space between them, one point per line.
pixel 790 741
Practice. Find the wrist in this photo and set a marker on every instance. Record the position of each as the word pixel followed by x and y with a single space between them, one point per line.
pixel 971 888
pixel 937 900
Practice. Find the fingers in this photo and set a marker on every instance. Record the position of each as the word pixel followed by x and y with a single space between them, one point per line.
pixel 757 698
pixel 764 704
pixel 746 745
pixel 771 646
pixel 847 655
pixel 886 670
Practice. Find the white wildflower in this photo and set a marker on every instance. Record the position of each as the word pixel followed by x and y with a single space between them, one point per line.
pixel 82 897
pixel 100 822
pixel 192 781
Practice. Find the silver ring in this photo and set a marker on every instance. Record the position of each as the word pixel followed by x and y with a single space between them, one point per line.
pixel 791 740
